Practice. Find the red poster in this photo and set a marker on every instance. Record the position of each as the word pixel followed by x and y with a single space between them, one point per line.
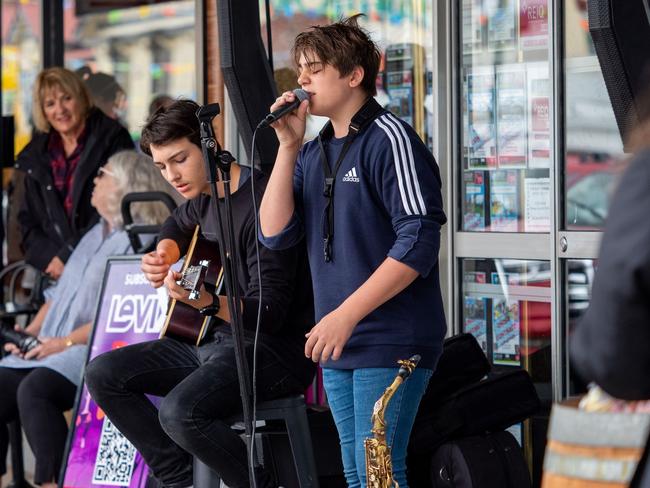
pixel 540 135
pixel 533 24
pixel 540 114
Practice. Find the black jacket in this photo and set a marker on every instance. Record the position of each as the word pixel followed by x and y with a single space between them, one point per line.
pixel 287 310
pixel 44 224
pixel 611 345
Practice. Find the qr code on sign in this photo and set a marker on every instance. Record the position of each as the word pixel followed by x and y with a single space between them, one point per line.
pixel 115 458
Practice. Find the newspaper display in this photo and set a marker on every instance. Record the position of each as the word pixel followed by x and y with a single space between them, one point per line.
pixel 472 27
pixel 533 25
pixel 504 201
pixel 475 277
pixel 537 204
pixel 502 24
pixel 506 348
pixel 539 122
pixel 475 316
pixel 474 211
pixel 482 147
pixel 511 116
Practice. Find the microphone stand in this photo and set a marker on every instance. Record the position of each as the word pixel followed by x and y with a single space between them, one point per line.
pixel 215 158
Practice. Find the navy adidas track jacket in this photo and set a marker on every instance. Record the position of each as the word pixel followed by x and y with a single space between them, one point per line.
pixel 387 203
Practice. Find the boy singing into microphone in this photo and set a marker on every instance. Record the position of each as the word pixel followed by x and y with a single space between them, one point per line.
pixel 366 195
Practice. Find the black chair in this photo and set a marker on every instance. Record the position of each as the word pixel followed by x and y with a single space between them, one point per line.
pixel 10 310
pixel 135 230
pixel 292 411
pixel 12 307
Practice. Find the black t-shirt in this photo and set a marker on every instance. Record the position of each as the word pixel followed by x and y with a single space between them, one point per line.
pixel 287 311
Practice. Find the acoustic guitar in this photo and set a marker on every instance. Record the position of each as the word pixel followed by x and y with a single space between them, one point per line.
pixel 184 322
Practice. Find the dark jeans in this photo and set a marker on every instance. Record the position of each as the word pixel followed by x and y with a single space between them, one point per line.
pixel 38 397
pixel 200 390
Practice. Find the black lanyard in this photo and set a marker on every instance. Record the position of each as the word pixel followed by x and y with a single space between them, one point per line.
pixel 366 114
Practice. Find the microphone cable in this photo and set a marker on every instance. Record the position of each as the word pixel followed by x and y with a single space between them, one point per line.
pixel 259 280
pixel 259 307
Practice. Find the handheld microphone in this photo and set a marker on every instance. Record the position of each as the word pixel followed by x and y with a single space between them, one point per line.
pixel 301 95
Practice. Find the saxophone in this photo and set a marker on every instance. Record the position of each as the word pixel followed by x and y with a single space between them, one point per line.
pixel 379 466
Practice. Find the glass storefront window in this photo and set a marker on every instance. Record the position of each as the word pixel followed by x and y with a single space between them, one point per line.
pixel 145 51
pixel 21 61
pixel 505 117
pixel 401 28
pixel 507 307
pixel 594 150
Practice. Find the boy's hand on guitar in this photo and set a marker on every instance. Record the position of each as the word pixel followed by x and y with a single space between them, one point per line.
pixel 155 265
pixel 181 294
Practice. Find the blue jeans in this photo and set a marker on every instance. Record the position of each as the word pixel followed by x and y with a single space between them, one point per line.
pixel 351 394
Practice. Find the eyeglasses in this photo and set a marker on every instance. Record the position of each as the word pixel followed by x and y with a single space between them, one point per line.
pixel 101 171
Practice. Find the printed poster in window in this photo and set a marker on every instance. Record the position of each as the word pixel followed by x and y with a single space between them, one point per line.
pixel 505 332
pixel 539 122
pixel 474 277
pixel 481 137
pixel 476 320
pixel 511 116
pixel 537 204
pixel 533 25
pixel 474 211
pixel 504 201
pixel 497 278
pixel 472 26
pixel 502 24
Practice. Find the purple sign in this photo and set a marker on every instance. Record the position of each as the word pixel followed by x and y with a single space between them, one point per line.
pixel 129 311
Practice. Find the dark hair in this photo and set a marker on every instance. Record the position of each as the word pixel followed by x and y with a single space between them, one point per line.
pixel 343 45
pixel 158 101
pixel 170 123
pixel 102 86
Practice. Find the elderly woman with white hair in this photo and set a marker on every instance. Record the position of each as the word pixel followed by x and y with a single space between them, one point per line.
pixel 41 384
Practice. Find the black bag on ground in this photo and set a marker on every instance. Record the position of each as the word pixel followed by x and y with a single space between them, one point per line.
pixel 488 406
pixel 491 405
pixel 461 363
pixel 490 461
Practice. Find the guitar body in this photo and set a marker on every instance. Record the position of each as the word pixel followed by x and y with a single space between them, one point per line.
pixel 202 265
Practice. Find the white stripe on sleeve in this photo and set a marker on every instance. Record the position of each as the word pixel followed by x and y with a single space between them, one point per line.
pixel 404 165
pixel 398 171
pixel 411 162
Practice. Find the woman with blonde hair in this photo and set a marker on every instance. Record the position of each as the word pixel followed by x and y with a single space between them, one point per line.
pixel 40 385
pixel 72 141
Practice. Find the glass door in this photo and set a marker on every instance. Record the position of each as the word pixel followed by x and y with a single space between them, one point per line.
pixel 536 155
pixel 503 180
pixel 592 160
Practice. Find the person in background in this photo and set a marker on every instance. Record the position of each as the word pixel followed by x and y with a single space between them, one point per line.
pixel 72 141
pixel 105 92
pixel 373 244
pixel 40 385
pixel 158 102
pixel 610 344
